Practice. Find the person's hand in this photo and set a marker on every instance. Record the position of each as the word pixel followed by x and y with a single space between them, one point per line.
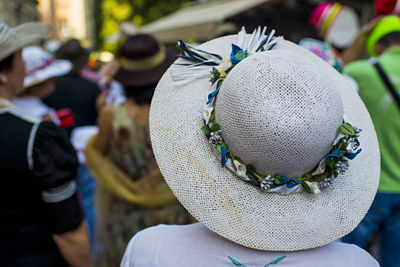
pixel 101 100
pixel 109 70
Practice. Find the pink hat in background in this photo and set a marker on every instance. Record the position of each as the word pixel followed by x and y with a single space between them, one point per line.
pixel 336 24
pixel 323 16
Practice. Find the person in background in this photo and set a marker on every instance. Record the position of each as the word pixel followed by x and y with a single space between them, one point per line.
pixel 75 92
pixel 382 42
pixel 257 146
pixel 83 97
pixel 327 53
pixel 124 139
pixel 41 218
pixel 41 69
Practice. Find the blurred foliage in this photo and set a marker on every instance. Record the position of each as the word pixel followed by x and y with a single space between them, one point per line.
pixel 110 13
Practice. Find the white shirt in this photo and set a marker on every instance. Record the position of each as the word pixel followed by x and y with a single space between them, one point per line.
pixel 194 245
pixel 32 106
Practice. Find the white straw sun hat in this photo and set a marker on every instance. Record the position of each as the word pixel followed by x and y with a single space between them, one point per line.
pixel 41 66
pixel 279 110
pixel 12 39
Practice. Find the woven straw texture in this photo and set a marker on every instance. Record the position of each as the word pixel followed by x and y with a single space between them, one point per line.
pixel 279 110
pixel 12 39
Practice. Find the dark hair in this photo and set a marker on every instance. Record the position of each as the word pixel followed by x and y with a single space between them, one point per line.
pixel 390 39
pixel 140 94
pixel 7 63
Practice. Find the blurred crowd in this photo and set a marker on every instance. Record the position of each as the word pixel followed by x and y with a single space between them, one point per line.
pixel 79 175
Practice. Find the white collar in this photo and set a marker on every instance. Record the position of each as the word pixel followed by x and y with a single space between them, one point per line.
pixel 5 102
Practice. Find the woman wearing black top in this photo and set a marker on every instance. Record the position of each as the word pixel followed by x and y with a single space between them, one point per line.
pixel 41 219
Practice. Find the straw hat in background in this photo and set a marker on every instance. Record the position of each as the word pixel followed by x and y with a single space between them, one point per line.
pixel 14 38
pixel 262 154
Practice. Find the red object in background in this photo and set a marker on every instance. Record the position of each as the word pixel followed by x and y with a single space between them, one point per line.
pixel 386 7
pixel 66 117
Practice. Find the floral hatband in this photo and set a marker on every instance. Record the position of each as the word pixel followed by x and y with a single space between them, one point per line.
pixel 345 147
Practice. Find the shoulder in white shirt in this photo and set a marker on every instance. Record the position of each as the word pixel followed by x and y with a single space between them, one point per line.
pixel 32 106
pixel 194 245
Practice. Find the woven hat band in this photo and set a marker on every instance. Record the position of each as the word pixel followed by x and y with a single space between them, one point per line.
pixel 144 64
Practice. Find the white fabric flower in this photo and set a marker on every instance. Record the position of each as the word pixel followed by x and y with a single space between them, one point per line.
pixel 225 64
pixel 241 169
pixel 314 187
pixel 320 169
pixel 351 147
pixel 207 114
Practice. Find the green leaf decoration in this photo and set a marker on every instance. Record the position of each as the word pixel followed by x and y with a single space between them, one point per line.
pixel 306 187
pixel 275 261
pixel 212 117
pixel 251 167
pixel 330 163
pixel 346 129
pixel 251 176
pixel 241 55
pixel 206 130
pixel 278 181
pixel 319 178
pixel 230 68
pixel 215 127
pixel 236 262
pixel 215 74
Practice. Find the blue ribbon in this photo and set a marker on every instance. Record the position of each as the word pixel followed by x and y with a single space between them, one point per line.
pixel 334 153
pixel 211 96
pixel 290 182
pixel 236 49
pixel 224 156
pixel 352 155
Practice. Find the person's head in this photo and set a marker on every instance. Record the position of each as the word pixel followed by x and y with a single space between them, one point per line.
pixel 385 35
pixel 387 41
pixel 12 67
pixel 142 62
pixel 266 152
pixel 140 94
pixel 41 68
pixel 73 51
pixel 12 73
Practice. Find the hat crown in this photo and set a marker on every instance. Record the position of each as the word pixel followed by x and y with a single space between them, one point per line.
pixel 140 46
pixel 278 116
pixel 35 58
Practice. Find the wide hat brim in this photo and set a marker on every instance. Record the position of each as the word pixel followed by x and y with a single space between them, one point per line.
pixel 57 68
pixel 237 210
pixel 24 35
pixel 146 77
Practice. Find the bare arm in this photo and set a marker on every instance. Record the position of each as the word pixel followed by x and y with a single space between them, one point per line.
pixel 353 52
pixel 75 247
pixel 104 123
